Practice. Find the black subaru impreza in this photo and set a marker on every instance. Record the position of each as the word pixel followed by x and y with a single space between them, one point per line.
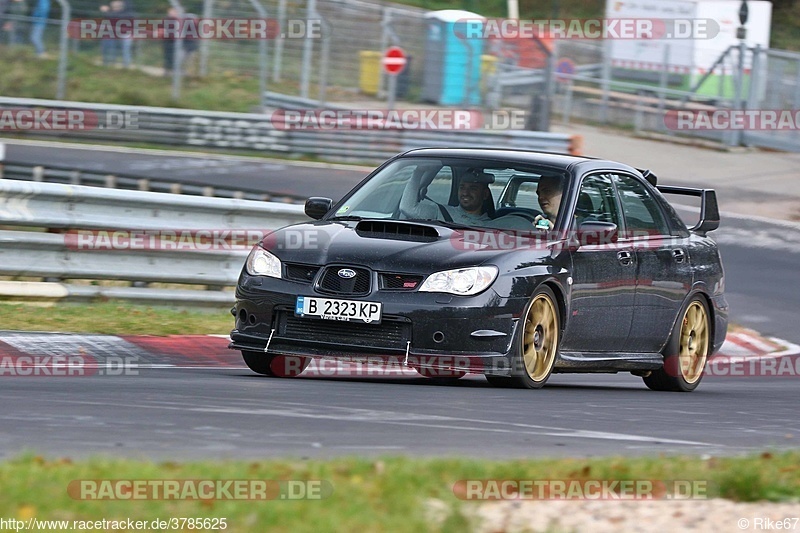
pixel 511 264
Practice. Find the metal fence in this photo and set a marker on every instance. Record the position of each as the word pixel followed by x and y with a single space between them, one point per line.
pixel 644 96
pixel 342 67
pixel 46 242
pixel 251 131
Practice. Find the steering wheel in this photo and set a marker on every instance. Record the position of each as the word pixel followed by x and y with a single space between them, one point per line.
pixel 523 214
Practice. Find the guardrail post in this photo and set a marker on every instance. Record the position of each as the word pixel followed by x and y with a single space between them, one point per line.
pixel 567 112
pixel 736 138
pixel 663 81
pixel 63 50
pixel 755 85
pixel 277 59
pixel 262 55
pixel 208 12
pixel 308 49
pixel 387 36
pixel 326 53
pixel 606 81
pixel 177 55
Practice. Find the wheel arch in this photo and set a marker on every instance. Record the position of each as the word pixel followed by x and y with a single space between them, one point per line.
pixel 561 300
pixel 697 291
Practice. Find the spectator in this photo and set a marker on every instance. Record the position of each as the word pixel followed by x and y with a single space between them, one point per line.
pixel 40 14
pixel 15 8
pixel 111 47
pixel 190 44
pixel 168 41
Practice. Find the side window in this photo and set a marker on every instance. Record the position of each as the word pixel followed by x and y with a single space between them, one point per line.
pixel 642 213
pixel 596 201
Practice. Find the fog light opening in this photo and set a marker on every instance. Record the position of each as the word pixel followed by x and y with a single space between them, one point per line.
pixel 438 337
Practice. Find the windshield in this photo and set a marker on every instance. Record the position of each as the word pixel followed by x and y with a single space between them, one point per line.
pixel 458 191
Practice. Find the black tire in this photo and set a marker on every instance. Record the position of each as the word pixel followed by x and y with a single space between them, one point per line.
pixel 686 352
pixel 536 346
pixel 275 365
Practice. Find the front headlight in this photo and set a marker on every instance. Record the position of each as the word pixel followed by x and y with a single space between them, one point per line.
pixel 463 281
pixel 262 263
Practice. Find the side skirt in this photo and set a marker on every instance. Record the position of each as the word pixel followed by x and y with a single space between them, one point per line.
pixel 607 362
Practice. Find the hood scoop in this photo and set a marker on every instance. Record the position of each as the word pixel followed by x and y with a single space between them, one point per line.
pixel 396 230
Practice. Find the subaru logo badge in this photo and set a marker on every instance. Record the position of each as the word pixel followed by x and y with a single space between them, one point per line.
pixel 347 273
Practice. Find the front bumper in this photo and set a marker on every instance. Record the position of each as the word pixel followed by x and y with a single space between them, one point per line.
pixel 472 333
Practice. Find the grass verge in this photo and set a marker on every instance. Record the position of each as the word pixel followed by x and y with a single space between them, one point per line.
pixel 25 75
pixel 388 494
pixel 114 318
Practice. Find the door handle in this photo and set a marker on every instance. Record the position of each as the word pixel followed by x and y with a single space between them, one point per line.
pixel 679 255
pixel 624 257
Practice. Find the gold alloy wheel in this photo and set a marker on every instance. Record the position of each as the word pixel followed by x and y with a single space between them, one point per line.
pixel 541 338
pixel 694 342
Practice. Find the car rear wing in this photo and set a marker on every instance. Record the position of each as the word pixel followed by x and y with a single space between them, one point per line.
pixel 709 209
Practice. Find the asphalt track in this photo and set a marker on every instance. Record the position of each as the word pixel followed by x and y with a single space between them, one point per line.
pixel 223 410
pixel 274 176
pixel 184 413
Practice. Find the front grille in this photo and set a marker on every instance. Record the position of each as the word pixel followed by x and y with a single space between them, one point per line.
pixel 332 283
pixel 297 272
pixel 399 282
pixel 389 334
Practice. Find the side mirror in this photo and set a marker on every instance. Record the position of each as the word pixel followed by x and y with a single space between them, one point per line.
pixel 316 207
pixel 593 232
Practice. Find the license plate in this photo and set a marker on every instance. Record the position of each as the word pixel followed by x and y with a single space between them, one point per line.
pixel 344 310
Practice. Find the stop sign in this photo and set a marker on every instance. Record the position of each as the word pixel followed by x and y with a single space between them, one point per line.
pixel 394 60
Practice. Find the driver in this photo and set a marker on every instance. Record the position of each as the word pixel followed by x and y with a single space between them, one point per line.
pixel 473 191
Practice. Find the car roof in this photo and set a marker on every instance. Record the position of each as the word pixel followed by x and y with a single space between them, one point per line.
pixel 579 164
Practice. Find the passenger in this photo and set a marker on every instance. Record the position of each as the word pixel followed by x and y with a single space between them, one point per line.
pixel 549 191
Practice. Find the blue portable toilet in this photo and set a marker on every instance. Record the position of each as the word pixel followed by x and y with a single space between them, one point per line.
pixel 452 71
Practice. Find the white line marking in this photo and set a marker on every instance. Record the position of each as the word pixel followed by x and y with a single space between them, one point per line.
pixel 414 420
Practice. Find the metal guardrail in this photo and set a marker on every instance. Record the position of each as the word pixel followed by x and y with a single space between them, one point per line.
pixel 251 131
pixel 53 254
pixel 72 176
